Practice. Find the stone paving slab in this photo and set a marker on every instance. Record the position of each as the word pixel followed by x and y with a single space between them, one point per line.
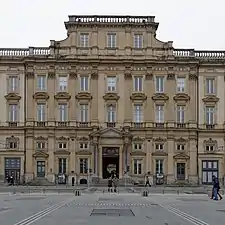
pixel 111 208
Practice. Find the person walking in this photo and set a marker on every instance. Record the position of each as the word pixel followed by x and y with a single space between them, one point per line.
pixel 215 189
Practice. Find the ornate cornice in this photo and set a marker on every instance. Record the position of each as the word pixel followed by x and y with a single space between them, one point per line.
pixel 41 95
pixel 211 98
pixel 62 138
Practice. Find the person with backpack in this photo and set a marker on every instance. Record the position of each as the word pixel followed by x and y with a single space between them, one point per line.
pixel 215 189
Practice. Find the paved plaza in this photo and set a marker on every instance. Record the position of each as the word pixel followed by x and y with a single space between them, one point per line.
pixel 98 208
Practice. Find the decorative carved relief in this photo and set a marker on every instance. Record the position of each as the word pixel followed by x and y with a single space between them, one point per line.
pixel 84 139
pixel 181 140
pixel 181 97
pixel 111 96
pixel 62 95
pixel 138 139
pixel 51 75
pixel 41 95
pixel 210 98
pixel 127 73
pixel 72 75
pixel 149 76
pixel 62 138
pixel 83 96
pixel 12 141
pixel 41 138
pixel 210 142
pixel 159 140
pixel 94 72
pixel 138 96
pixel 160 97
pixel 193 76
pixel 171 76
pixel 12 97
pixel 29 75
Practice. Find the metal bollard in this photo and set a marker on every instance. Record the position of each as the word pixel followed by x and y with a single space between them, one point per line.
pixel 103 191
pixel 163 192
pixel 178 192
pixel 145 194
pixel 58 191
pixel 14 191
pixel 43 191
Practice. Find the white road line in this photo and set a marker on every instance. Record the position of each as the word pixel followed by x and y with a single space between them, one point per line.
pixel 185 216
pixel 43 213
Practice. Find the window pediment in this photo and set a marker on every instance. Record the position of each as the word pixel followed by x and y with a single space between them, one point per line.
pixel 40 154
pixel 138 139
pixel 210 142
pixel 160 97
pixel 181 140
pixel 62 95
pixel 210 99
pixel 138 153
pixel 83 96
pixel 159 153
pixel 111 96
pixel 61 152
pixel 159 140
pixel 62 138
pixel 41 138
pixel 41 95
pixel 12 97
pixel 181 97
pixel 83 152
pixel 138 97
pixel 84 139
pixel 181 156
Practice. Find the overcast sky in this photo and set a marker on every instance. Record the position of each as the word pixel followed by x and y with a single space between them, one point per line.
pixel 195 24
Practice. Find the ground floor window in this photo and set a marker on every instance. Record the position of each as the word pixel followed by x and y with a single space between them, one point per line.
pixel 209 168
pixel 62 166
pixel 181 171
pixel 137 167
pixel 84 166
pixel 159 166
pixel 12 169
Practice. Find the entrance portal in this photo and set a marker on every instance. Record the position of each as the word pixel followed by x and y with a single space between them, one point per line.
pixel 110 162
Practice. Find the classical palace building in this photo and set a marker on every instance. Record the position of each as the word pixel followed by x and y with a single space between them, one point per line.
pixel 112 97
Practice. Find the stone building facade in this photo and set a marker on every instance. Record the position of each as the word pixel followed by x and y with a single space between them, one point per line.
pixel 111 96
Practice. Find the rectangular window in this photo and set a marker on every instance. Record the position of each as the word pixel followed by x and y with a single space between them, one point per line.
pixel 62 165
pixel 84 166
pixel 159 166
pixel 62 112
pixel 41 83
pixel 63 82
pixel 209 148
pixel 159 147
pixel 180 147
pixel 84 40
pixel 180 84
pixel 159 114
pixel 62 145
pixel 111 40
pixel 84 83
pixel 40 145
pixel 111 84
pixel 210 86
pixel 159 84
pixel 137 146
pixel 138 113
pixel 137 167
pixel 180 114
pixel 13 84
pixel 111 113
pixel 41 112
pixel 13 113
pixel 138 41
pixel 138 83
pixel 84 113
pixel 210 115
pixel 84 146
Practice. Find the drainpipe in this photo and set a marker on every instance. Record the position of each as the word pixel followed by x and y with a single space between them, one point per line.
pixel 198 124
pixel 25 116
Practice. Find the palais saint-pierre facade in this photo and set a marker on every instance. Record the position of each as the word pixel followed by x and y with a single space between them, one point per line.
pixel 111 96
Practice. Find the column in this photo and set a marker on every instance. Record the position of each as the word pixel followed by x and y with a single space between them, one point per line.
pixel 30 162
pixel 170 162
pixel 94 102
pixel 121 162
pixel 51 160
pixel 51 100
pixel 30 100
pixel 72 102
pixel 100 161
pixel 192 164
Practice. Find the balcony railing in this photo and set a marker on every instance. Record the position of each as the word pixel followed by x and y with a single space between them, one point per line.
pixel 45 51
pixel 111 124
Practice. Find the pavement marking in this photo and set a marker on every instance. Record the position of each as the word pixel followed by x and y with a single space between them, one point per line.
pixel 43 213
pixel 185 216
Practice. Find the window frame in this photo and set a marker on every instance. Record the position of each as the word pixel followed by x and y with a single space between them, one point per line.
pixel 137 166
pixel 63 112
pixel 138 83
pixel 111 85
pixel 160 86
pixel 180 86
pixel 138 41
pixel 111 40
pixel 84 83
pixel 84 40
pixel 160 113
pixel 41 83
pixel 138 115
pixel 62 83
